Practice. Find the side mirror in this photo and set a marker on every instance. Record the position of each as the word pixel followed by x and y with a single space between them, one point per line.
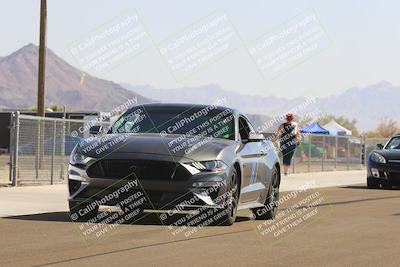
pixel 94 130
pixel 379 146
pixel 256 137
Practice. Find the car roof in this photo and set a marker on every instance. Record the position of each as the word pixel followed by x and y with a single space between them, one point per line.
pixel 188 106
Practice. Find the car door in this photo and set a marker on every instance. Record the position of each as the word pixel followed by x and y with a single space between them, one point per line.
pixel 251 155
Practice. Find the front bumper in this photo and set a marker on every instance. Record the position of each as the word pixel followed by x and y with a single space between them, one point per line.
pixel 202 190
pixel 385 172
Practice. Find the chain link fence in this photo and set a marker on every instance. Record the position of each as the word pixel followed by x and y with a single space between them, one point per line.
pixel 5 177
pixel 40 147
pixel 317 153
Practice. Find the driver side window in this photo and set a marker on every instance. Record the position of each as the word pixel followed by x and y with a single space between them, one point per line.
pixel 244 128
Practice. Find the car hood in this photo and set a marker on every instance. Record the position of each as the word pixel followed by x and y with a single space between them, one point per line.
pixel 177 146
pixel 389 154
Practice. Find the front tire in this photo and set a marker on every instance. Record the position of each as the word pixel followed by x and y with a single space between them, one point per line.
pixel 268 212
pixel 229 213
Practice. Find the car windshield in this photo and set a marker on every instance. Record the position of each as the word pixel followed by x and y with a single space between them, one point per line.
pixel 207 121
pixel 394 143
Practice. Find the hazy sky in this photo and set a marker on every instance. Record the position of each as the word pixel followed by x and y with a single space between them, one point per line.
pixel 365 35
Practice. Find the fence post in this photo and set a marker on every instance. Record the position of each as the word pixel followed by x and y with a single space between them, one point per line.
pixel 62 148
pixel 293 162
pixel 37 151
pixel 364 150
pixel 323 153
pixel 309 153
pixel 15 153
pixel 336 147
pixel 11 147
pixel 348 153
pixel 361 148
pixel 53 151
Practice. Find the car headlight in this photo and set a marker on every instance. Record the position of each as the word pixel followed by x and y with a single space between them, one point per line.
pixel 78 158
pixel 377 158
pixel 211 166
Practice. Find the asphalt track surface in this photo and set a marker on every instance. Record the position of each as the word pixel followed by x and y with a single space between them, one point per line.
pixel 350 226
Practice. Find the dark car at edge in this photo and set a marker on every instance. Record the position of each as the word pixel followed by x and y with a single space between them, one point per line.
pixel 384 165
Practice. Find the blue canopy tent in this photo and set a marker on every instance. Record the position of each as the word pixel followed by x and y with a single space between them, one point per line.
pixel 314 128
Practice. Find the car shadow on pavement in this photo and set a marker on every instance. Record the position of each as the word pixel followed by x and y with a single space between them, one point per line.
pixel 366 188
pixel 146 219
pixel 48 217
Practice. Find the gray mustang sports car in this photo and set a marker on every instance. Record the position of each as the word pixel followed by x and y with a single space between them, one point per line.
pixel 180 158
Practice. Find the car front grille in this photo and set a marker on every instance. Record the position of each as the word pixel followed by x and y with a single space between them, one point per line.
pixel 141 169
pixel 394 177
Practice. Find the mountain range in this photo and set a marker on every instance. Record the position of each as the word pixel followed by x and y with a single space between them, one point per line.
pixel 65 85
pixel 368 105
pixel 69 86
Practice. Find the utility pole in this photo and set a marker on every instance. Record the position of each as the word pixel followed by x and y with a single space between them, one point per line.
pixel 41 83
pixel 42 58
